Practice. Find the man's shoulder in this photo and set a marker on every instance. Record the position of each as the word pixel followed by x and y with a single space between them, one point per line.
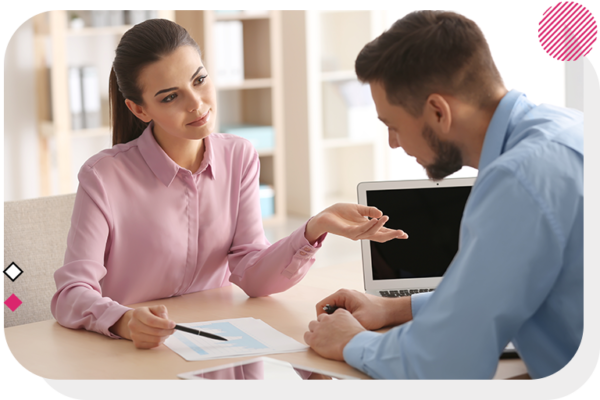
pixel 546 124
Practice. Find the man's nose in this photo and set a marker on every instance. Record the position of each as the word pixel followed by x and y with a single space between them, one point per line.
pixel 394 142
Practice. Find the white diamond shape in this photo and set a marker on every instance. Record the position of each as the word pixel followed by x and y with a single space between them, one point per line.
pixel 12 271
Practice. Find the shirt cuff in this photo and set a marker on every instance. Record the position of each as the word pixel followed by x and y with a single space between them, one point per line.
pixel 417 301
pixel 353 351
pixel 109 318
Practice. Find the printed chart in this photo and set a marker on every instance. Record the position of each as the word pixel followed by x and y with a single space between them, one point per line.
pixel 245 336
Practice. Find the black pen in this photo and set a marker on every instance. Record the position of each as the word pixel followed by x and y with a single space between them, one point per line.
pixel 330 309
pixel 200 333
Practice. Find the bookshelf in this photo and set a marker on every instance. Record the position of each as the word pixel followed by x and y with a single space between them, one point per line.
pixel 319 51
pixel 256 98
pixel 63 148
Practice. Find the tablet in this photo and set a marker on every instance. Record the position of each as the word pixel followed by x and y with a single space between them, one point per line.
pixel 262 368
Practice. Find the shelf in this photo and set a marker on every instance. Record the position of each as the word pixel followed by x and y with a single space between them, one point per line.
pixel 331 129
pixel 97 31
pixel 341 11
pixel 47 130
pixel 257 99
pixel 266 153
pixel 241 16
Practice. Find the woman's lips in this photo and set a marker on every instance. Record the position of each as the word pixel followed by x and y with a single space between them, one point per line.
pixel 201 121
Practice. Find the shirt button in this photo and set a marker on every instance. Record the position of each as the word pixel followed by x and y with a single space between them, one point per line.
pixel 302 253
pixel 306 248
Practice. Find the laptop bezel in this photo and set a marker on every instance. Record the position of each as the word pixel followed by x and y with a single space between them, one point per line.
pixel 372 286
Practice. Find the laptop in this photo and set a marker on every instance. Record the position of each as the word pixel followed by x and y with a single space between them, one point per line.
pixel 430 213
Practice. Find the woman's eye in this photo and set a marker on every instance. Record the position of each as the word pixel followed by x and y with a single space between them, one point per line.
pixel 169 98
pixel 200 79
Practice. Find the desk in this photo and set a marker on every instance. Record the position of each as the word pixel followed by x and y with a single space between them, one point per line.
pixel 52 351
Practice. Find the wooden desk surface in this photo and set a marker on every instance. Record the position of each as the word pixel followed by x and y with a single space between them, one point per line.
pixel 52 351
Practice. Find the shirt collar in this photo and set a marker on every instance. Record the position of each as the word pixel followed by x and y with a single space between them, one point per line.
pixel 162 165
pixel 497 130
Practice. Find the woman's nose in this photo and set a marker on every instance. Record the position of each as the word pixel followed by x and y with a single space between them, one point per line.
pixel 195 101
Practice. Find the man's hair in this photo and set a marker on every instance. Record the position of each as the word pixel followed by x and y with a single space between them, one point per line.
pixel 430 52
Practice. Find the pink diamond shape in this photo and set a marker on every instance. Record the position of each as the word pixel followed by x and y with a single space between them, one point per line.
pixel 13 302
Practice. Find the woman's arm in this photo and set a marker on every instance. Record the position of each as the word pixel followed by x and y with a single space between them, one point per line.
pixel 78 301
pixel 261 269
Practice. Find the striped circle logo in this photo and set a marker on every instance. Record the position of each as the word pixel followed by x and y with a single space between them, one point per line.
pixel 567 31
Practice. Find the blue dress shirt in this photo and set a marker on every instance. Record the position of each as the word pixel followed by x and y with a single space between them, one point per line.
pixel 518 273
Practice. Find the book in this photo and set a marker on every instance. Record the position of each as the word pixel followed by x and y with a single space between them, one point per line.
pixel 90 90
pixel 75 101
pixel 229 52
pixel 262 137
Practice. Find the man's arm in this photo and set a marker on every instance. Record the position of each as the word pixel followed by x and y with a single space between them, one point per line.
pixel 508 260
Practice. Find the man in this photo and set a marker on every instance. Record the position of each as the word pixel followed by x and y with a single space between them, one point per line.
pixel 518 273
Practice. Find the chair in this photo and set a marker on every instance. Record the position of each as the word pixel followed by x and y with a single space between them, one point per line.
pixel 35 238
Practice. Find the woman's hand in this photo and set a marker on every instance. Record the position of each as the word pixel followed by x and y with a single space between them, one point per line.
pixel 147 327
pixel 354 221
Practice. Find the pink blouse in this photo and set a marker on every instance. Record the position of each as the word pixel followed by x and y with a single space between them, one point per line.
pixel 143 228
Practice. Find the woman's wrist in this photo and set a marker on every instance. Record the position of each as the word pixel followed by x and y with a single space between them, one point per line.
pixel 121 327
pixel 313 230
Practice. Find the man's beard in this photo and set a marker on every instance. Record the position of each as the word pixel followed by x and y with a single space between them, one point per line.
pixel 448 157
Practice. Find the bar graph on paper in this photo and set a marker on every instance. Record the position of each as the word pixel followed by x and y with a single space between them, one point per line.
pixel 245 336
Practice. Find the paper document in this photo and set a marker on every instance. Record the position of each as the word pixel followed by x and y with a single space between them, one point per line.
pixel 245 336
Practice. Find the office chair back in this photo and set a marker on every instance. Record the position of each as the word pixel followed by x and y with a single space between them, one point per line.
pixel 35 238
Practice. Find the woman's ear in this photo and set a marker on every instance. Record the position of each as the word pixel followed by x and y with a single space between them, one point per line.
pixel 137 110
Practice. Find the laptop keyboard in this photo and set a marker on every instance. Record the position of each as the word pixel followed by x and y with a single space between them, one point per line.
pixel 402 293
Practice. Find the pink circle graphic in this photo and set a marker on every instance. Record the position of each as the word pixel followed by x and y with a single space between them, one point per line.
pixel 567 31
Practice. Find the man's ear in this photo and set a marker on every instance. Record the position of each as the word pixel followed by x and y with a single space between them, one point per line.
pixel 438 113
pixel 137 110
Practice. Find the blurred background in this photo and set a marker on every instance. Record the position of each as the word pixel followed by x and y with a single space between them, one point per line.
pixel 285 80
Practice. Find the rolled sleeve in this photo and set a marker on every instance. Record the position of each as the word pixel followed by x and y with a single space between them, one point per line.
pixel 417 301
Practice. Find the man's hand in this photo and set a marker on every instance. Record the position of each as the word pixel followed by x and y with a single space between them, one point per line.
pixel 372 312
pixel 354 221
pixel 147 327
pixel 329 334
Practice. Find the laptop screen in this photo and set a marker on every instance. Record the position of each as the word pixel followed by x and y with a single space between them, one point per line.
pixel 431 218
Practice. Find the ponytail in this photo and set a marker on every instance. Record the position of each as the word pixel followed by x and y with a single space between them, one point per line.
pixel 125 125
pixel 144 44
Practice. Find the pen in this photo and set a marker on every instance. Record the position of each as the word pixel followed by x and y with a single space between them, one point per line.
pixel 329 309
pixel 200 333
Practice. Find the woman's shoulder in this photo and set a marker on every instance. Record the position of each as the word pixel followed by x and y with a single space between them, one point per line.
pixel 225 143
pixel 109 158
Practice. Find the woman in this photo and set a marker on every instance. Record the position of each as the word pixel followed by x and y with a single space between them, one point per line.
pixel 173 208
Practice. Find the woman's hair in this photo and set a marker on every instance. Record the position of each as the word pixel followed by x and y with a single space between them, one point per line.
pixel 139 47
pixel 429 52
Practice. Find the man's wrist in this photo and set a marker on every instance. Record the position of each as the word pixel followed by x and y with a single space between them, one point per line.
pixel 399 310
